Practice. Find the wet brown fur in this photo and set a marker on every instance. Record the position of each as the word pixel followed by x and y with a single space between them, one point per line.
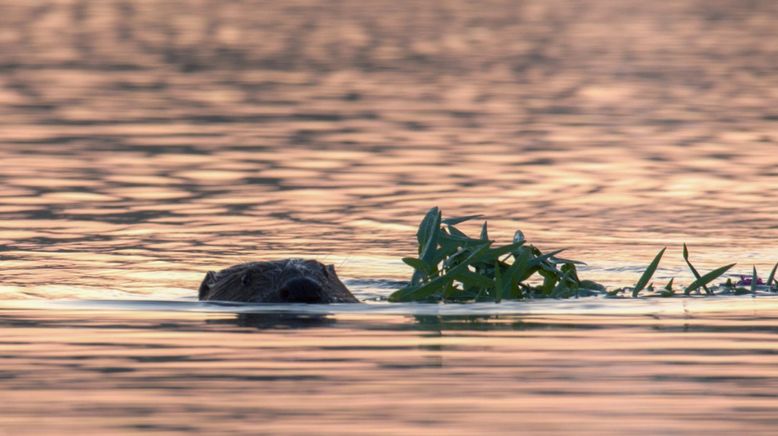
pixel 279 281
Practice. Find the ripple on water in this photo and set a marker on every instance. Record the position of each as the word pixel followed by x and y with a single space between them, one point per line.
pixel 145 143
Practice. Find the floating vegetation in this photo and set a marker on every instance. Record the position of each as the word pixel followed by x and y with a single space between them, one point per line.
pixel 648 273
pixel 453 267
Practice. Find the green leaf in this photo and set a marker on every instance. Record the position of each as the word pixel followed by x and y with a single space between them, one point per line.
pixel 561 290
pixel 460 240
pixel 438 284
pixel 418 264
pixel 525 264
pixel 571 273
pixel 550 280
pixel 592 285
pixel 772 277
pixel 540 259
pixel 484 232
pixel 511 278
pixel 430 223
pixel 707 278
pixel 418 277
pixel 498 281
pixel 427 235
pixel 450 252
pixel 568 282
pixel 473 280
pixel 648 273
pixel 449 290
pixel 455 232
pixel 460 219
pixel 668 291
pixel 692 268
pixel 559 260
pixel 742 291
pixel 754 280
pixel 505 249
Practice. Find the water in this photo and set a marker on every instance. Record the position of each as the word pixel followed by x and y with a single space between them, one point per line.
pixel 145 143
pixel 595 372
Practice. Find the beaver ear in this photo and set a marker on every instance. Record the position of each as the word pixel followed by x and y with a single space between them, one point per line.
pixel 245 279
pixel 330 270
pixel 205 286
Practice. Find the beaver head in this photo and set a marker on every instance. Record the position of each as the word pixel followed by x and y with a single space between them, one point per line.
pixel 280 281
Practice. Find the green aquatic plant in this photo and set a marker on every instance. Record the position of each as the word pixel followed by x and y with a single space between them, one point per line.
pixel 771 278
pixel 453 267
pixel 692 268
pixel 648 273
pixel 668 289
pixel 707 278
pixel 754 281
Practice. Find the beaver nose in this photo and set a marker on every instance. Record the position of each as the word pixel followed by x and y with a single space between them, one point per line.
pixel 301 290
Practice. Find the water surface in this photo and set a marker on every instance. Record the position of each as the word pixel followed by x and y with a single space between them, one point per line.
pixel 144 143
pixel 269 373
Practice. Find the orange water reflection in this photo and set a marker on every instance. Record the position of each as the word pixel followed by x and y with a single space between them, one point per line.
pixel 180 139
pixel 144 143
pixel 275 373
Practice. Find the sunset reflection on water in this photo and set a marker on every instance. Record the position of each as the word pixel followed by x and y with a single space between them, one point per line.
pixel 287 373
pixel 172 143
pixel 144 143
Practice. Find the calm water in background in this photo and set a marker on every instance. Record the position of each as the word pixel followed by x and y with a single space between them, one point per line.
pixel 143 143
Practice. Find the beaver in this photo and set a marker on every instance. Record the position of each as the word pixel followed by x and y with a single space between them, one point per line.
pixel 278 281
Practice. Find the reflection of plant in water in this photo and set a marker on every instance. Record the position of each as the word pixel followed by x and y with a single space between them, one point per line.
pixel 439 323
pixel 460 322
pixel 451 266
